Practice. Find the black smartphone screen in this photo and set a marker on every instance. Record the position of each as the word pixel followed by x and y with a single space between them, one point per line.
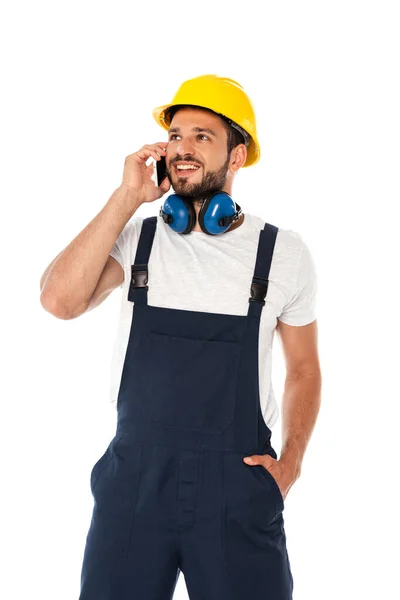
pixel 161 170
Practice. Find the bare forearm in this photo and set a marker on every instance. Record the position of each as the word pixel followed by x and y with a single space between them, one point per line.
pixel 300 406
pixel 70 280
pixel 44 276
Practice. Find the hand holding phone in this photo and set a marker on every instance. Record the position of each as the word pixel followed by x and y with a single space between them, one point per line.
pixel 139 177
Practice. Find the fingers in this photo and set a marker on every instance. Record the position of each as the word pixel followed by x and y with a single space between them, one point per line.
pixel 150 150
pixel 150 169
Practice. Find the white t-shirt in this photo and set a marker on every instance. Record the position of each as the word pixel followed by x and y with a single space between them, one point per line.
pixel 213 273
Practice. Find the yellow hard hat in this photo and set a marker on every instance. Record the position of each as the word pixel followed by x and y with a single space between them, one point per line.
pixel 225 97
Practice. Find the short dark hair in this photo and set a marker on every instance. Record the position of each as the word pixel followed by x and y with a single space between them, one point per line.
pixel 234 137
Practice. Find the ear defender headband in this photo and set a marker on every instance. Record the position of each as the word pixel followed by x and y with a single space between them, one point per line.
pixel 216 215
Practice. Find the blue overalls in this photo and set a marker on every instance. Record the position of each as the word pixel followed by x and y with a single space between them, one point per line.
pixel 171 492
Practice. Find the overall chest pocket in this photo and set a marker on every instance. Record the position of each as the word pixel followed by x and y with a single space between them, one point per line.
pixel 193 382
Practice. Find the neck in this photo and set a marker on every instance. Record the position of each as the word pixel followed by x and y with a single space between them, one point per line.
pixel 197 204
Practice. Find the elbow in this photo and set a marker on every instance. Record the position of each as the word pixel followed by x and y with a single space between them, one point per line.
pixel 311 372
pixel 56 308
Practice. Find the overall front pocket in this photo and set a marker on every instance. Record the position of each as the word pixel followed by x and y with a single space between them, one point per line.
pixel 274 484
pixel 102 464
pixel 253 542
pixel 115 495
pixel 193 382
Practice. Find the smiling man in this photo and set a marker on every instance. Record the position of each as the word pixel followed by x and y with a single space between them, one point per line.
pixel 204 166
pixel 190 481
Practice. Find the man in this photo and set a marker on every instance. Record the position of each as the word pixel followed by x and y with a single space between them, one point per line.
pixel 190 482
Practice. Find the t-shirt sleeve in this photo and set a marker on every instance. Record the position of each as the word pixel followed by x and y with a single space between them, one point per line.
pixel 116 251
pixel 125 244
pixel 301 308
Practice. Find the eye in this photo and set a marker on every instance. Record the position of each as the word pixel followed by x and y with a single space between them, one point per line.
pixel 175 135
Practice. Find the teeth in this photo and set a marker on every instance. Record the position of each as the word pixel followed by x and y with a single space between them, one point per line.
pixel 185 167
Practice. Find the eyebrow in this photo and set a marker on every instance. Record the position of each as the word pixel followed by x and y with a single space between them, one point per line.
pixel 197 129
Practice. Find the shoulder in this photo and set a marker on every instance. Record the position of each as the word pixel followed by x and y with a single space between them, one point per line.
pixel 291 240
pixel 130 233
pixel 289 244
pixel 133 226
pixel 292 259
pixel 293 251
pixel 288 238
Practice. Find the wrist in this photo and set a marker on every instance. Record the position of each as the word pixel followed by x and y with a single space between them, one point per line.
pixel 130 193
pixel 127 200
pixel 291 464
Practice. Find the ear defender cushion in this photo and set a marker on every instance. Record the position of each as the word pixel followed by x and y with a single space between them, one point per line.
pixel 183 216
pixel 215 207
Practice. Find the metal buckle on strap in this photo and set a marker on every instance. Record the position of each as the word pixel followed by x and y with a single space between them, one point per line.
pixel 139 276
pixel 259 288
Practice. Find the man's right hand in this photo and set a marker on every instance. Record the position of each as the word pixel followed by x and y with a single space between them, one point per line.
pixel 137 176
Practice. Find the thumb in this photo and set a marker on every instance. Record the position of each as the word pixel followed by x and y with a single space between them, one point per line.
pixel 165 185
pixel 254 459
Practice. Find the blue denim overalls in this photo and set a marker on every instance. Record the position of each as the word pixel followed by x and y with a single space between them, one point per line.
pixel 171 492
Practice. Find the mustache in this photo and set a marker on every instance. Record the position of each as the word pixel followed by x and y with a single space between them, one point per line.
pixel 187 159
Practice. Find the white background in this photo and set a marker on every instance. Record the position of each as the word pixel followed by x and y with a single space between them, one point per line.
pixel 79 81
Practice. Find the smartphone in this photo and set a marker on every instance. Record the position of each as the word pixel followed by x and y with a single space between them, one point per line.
pixel 161 171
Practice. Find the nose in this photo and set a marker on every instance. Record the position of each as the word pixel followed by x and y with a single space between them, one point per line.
pixel 184 147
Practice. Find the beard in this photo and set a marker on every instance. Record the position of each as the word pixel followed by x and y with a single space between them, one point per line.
pixel 211 182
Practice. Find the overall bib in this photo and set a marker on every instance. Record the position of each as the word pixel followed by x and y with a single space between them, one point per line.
pixel 171 492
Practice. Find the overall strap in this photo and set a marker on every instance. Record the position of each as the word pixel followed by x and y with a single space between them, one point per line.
pixel 139 270
pixel 259 285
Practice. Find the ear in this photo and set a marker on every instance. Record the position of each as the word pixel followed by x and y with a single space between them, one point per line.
pixel 238 157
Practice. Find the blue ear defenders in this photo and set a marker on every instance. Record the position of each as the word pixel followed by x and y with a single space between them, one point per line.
pixel 216 214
